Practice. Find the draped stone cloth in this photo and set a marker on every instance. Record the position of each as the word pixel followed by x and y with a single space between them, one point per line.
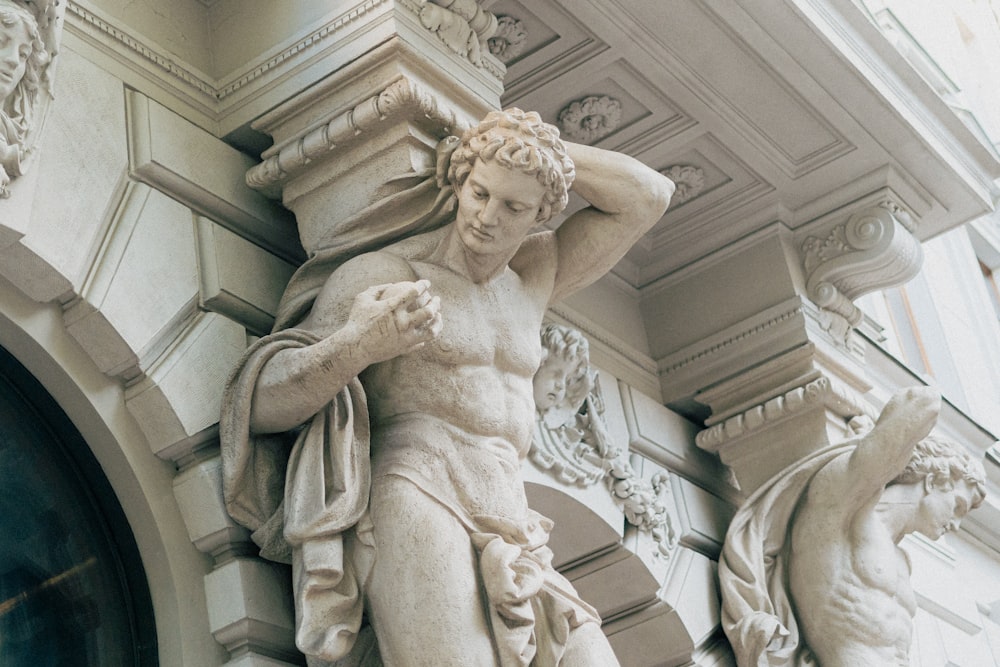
pixel 299 493
pixel 758 615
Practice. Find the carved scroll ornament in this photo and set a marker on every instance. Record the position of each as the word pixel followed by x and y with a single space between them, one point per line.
pixel 873 250
pixel 29 40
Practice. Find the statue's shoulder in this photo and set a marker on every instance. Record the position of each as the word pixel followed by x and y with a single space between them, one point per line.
pixel 536 258
pixel 375 268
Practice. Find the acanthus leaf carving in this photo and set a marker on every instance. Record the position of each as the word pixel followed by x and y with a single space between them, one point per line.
pixel 690 181
pixel 462 25
pixel 589 119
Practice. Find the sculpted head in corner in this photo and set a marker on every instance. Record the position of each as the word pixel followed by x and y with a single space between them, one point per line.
pixel 22 60
pixel 850 581
pixel 562 381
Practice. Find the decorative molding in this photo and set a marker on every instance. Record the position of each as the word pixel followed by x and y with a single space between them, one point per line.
pixel 509 40
pixel 158 156
pixel 873 250
pixel 591 118
pixel 402 97
pixel 819 392
pixel 132 44
pixel 310 41
pixel 690 181
pixel 215 90
pixel 787 311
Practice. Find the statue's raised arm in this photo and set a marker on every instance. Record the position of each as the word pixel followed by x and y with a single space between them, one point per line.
pixel 626 199
pixel 882 453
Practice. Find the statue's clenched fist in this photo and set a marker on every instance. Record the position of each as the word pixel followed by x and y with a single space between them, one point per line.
pixel 395 318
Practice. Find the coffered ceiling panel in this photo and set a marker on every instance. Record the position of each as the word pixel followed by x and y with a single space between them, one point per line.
pixel 539 44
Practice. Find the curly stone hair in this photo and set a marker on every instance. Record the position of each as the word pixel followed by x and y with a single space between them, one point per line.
pixel 944 459
pixel 22 103
pixel 523 141
pixel 571 346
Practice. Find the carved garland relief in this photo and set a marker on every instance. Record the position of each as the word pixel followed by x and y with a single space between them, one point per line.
pixel 572 442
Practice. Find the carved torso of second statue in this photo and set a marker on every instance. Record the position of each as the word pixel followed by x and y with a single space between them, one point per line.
pixel 407 385
pixel 812 572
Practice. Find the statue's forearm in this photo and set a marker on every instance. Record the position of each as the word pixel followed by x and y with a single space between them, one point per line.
pixel 296 383
pixel 617 184
pixel 905 420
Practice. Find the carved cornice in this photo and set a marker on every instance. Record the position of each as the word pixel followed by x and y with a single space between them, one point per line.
pixel 590 119
pixel 400 98
pixel 214 91
pixel 675 363
pixel 309 42
pixel 820 392
pixel 135 47
pixel 873 250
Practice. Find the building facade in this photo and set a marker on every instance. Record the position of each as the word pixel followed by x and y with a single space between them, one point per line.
pixel 833 239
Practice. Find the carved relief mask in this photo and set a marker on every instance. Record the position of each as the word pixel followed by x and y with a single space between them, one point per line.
pixel 497 208
pixel 15 48
pixel 943 506
pixel 552 381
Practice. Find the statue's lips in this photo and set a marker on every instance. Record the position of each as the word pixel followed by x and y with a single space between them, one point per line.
pixel 480 234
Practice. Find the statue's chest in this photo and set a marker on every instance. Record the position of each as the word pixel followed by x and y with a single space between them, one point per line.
pixel 496 323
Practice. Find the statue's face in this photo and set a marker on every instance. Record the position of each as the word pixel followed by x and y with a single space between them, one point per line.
pixel 551 381
pixel 497 208
pixel 943 507
pixel 15 47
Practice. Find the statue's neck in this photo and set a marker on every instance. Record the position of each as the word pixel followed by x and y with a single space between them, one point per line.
pixel 896 509
pixel 453 254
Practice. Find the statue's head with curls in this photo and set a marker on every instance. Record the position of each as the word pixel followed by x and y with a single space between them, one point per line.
pixel 523 141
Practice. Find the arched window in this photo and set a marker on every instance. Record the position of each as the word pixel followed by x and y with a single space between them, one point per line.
pixel 72 587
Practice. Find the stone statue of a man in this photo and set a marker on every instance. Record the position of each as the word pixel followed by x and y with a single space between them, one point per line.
pixel 426 349
pixel 836 591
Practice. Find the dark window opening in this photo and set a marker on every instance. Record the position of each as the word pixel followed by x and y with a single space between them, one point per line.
pixel 72 587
